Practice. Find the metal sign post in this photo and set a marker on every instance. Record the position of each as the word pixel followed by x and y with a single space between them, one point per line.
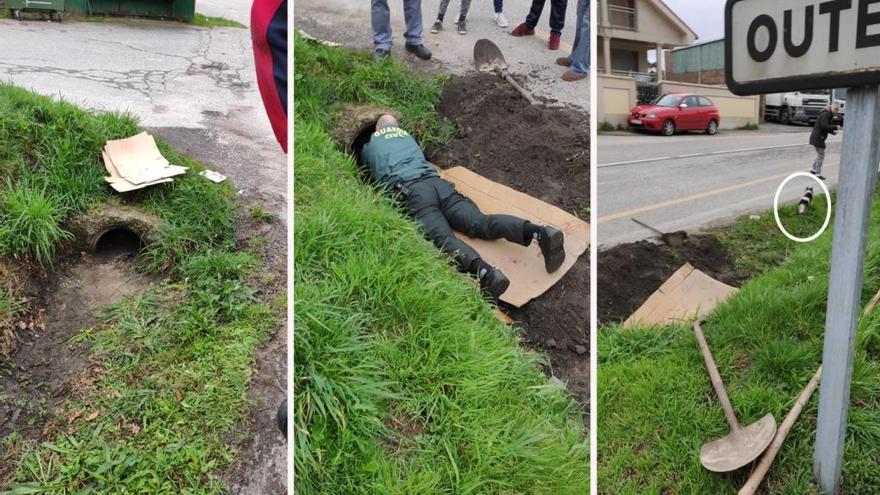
pixel 858 175
pixel 792 45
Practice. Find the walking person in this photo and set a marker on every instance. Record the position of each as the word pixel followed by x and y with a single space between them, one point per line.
pixel 821 129
pixel 382 37
pixel 578 62
pixel 462 16
pixel 557 21
pixel 396 162
pixel 499 14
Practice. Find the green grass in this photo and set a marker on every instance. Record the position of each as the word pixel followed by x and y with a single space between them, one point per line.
pixel 749 126
pixel 656 407
pixel 757 244
pixel 405 381
pixel 29 224
pixel 170 366
pixel 606 126
pixel 206 21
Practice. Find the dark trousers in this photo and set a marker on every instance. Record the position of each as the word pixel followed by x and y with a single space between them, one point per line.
pixel 440 209
pixel 499 6
pixel 557 14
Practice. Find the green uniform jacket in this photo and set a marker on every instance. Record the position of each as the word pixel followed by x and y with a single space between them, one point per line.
pixel 392 155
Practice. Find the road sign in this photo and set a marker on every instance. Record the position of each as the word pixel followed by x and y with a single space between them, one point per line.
pixel 791 45
pixel 859 161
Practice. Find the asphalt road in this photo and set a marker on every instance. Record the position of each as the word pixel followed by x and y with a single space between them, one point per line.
pixel 694 181
pixel 348 23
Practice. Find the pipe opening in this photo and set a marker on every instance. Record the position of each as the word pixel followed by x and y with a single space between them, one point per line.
pixel 361 140
pixel 118 241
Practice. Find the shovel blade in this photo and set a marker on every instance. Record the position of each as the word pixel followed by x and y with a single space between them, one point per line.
pixel 488 57
pixel 739 447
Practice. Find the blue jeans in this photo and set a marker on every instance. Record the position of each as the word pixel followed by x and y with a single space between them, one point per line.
pixel 381 20
pixel 499 6
pixel 580 52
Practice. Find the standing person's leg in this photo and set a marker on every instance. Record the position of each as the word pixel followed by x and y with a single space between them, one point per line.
pixel 380 17
pixel 557 15
pixel 579 61
pixel 557 22
pixel 412 12
pixel 441 14
pixel 462 16
pixel 499 14
pixel 527 28
pixel 820 159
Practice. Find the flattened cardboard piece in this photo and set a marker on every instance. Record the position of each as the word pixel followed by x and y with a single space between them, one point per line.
pixel 687 294
pixel 138 160
pixel 121 185
pixel 523 265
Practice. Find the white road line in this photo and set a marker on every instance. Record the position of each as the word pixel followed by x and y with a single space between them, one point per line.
pixel 710 153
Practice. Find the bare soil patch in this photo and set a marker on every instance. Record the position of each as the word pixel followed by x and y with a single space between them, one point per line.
pixel 40 373
pixel 629 273
pixel 544 152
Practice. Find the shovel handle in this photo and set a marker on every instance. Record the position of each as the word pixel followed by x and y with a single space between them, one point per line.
pixel 519 88
pixel 716 378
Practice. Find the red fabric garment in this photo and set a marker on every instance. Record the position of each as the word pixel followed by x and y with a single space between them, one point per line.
pixel 269 35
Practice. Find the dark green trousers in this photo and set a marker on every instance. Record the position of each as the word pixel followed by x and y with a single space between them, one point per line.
pixel 440 209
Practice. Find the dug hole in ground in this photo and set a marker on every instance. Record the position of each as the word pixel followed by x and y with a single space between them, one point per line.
pixel 457 399
pixel 658 406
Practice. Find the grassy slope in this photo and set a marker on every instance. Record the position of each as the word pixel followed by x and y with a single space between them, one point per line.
pixel 405 382
pixel 656 406
pixel 172 364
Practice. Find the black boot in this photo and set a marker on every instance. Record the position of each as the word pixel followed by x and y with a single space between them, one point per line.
pixel 494 282
pixel 420 51
pixel 281 418
pixel 551 241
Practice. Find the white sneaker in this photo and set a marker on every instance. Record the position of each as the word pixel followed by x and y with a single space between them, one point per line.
pixel 501 20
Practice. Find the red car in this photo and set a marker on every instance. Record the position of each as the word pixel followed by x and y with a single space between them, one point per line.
pixel 676 112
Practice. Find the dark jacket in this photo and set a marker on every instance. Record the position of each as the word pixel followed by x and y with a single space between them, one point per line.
pixel 392 155
pixel 822 128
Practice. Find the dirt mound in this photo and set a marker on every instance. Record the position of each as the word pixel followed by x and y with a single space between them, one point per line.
pixel 629 273
pixel 543 152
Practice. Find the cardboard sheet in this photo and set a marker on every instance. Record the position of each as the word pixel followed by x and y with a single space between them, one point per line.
pixel 120 184
pixel 138 162
pixel 686 295
pixel 524 266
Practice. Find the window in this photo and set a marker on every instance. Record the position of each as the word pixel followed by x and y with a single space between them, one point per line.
pixel 667 101
pixel 691 101
pixel 705 102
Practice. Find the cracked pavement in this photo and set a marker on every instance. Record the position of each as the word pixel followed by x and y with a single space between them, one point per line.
pixel 170 76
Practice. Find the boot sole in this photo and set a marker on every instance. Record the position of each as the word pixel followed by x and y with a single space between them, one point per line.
pixel 554 251
pixel 498 287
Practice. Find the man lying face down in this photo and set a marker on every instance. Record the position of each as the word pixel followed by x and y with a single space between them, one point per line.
pixel 396 162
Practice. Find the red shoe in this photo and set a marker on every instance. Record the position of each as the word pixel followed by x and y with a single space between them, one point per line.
pixel 523 30
pixel 555 38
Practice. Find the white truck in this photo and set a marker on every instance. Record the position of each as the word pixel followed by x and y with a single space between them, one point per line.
pixel 798 106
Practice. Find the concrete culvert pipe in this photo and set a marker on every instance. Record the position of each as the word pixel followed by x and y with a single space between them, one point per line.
pixel 114 229
pixel 118 240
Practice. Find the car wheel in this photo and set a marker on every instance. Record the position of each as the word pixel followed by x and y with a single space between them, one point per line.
pixel 785 116
pixel 668 128
pixel 712 128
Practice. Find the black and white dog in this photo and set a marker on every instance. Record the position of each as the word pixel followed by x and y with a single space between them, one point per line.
pixel 805 201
